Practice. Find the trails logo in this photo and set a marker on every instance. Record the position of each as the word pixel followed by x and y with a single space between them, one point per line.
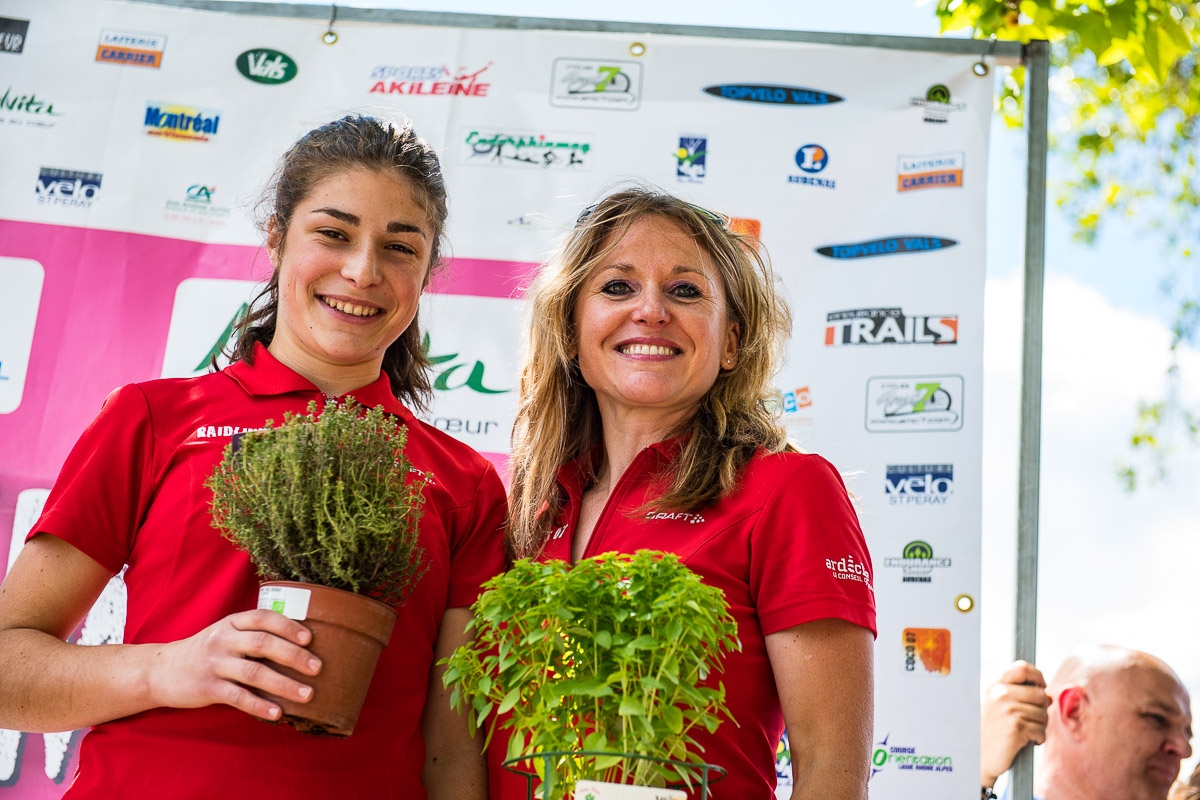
pixel 929 646
pixel 907 759
pixel 611 85
pixel 197 207
pixel 65 187
pixel 131 49
pixel 773 95
pixel 888 326
pixel 914 404
pixel 917 562
pixel 939 170
pixel 811 159
pixel 266 66
pixel 936 104
pixel 429 80
pixel 181 122
pixel 690 159
pixel 544 150
pixel 12 34
pixel 847 569
pixel 886 247
pixel 919 484
pixel 28 109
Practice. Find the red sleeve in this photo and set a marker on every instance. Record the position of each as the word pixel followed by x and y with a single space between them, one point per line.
pixel 102 493
pixel 477 554
pixel 808 557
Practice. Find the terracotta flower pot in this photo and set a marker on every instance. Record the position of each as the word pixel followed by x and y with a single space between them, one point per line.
pixel 349 632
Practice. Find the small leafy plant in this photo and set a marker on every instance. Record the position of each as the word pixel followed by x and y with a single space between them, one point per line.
pixel 325 499
pixel 608 655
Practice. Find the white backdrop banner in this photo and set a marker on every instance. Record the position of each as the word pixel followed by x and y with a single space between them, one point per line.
pixel 134 140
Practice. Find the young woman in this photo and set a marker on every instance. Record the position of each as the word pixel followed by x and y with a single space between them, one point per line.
pixel 353 222
pixel 643 423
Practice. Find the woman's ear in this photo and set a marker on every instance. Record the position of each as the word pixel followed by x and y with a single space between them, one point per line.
pixel 274 242
pixel 733 337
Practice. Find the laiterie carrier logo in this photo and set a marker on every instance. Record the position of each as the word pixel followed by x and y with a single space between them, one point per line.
pixel 555 151
pixel 131 49
pixel 889 246
pixel 907 759
pixel 812 159
pixel 934 171
pixel 430 80
pixel 936 104
pixel 917 404
pixel 66 187
pixel 263 65
pixel 871 326
pixel 183 123
pixel 929 648
pixel 916 562
pixel 848 569
pixel 12 34
pixel 691 158
pixel 773 94
pixel 610 85
pixel 919 484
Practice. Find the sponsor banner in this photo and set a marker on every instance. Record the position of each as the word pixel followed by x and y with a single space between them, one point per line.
pixel 179 122
pixel 936 104
pixel 66 187
pixel 919 484
pixel 847 569
pixel 22 280
pixel 916 562
pixel 812 159
pixel 131 49
pixel 896 754
pixel 264 65
pixel 924 404
pixel 195 205
pixel 608 85
pixel 887 246
pixel 430 80
pixel 12 35
pixel 772 94
pixel 525 149
pixel 203 317
pixel 691 159
pixel 27 109
pixel 927 650
pixel 870 326
pixel 934 171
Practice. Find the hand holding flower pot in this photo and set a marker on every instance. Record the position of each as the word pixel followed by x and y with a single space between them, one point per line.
pixel 327 509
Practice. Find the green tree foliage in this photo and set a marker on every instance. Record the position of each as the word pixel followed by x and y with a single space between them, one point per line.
pixel 1126 77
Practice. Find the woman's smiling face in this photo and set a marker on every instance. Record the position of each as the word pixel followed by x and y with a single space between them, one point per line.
pixel 652 324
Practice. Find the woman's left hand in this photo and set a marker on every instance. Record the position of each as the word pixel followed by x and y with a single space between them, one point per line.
pixel 824 673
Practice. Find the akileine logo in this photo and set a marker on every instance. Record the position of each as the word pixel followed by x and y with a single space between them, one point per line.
pixel 889 246
pixel 430 80
pixel 772 94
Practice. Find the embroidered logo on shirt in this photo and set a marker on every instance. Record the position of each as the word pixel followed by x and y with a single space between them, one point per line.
pixel 558 532
pixel 219 431
pixel 847 569
pixel 655 516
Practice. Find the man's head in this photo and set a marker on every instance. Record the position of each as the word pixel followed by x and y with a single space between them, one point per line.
pixel 1119 727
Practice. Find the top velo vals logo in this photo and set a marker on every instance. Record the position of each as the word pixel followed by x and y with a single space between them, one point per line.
pixel 773 94
pixel 917 404
pixel 865 326
pixel 911 243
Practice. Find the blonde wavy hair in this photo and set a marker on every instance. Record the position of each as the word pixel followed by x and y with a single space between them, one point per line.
pixel 558 418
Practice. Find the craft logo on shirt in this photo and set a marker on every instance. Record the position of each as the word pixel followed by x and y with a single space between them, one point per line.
pixel 873 326
pixel 196 205
pixel 886 247
pixel 916 562
pixel 936 104
pixel 906 759
pixel 929 648
pixel 67 187
pixel 934 171
pixel 847 569
pixel 430 80
pixel 540 150
pixel 659 516
pixel 812 159
pixel 915 404
pixel 263 65
pixel 184 123
pixel 919 484
pixel 772 94
pixel 27 109
pixel 12 34
pixel 131 49
pixel 608 85
pixel 690 159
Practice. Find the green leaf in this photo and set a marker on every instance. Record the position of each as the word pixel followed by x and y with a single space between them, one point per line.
pixel 630 707
pixel 509 700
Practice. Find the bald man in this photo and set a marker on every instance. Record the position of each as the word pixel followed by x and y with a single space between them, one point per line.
pixel 1117 724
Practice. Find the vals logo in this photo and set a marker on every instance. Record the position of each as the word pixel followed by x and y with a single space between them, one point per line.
pixel 181 122
pixel 888 326
pixel 930 647
pixel 64 187
pixel 919 484
pixel 914 404
pixel 939 170
pixel 132 49
pixel 772 94
pixel 429 80
pixel 690 159
pixel 12 34
pixel 886 247
pixel 917 562
pixel 266 66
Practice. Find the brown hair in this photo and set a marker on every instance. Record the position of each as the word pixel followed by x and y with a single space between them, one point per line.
pixel 558 418
pixel 352 142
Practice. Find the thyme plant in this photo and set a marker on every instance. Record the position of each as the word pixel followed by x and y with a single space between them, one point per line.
pixel 612 654
pixel 327 499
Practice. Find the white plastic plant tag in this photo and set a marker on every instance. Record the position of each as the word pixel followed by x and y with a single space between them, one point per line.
pixel 597 790
pixel 290 601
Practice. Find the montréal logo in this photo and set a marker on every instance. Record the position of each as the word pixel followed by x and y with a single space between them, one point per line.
pixel 890 246
pixel 773 94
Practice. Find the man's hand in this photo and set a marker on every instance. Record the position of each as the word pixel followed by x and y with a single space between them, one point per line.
pixel 1013 713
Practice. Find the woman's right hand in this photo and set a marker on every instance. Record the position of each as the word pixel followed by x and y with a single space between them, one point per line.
pixel 223 662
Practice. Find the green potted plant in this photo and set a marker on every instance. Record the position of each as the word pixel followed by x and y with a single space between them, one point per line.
pixel 601 668
pixel 327 507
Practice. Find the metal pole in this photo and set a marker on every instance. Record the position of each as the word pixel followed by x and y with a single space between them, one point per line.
pixel 1037 61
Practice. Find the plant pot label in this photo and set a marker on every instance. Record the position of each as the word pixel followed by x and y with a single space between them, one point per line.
pixel 596 790
pixel 290 601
